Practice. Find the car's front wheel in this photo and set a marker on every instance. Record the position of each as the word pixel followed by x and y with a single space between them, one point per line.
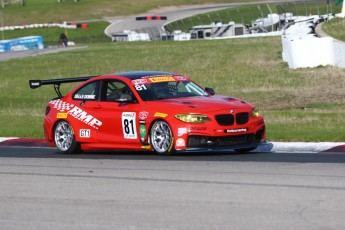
pixel 161 138
pixel 64 138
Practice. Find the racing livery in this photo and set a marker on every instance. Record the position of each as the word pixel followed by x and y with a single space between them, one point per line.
pixel 148 110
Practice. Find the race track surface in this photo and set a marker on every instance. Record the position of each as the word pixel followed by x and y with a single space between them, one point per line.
pixel 41 189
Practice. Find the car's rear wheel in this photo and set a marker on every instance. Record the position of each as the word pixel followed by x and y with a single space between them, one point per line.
pixel 161 138
pixel 64 138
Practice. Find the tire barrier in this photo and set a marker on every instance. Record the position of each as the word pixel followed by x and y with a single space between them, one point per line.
pixel 150 18
pixel 46 25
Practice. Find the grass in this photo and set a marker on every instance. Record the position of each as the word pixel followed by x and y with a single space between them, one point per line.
pixel 40 11
pixel 335 28
pixel 94 33
pixel 298 105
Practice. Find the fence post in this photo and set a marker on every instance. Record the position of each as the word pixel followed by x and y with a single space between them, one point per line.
pixel 2 25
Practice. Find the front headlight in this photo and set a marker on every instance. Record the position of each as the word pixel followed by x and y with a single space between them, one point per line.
pixel 192 118
pixel 255 113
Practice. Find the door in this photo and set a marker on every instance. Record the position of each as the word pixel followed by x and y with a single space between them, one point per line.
pixel 118 110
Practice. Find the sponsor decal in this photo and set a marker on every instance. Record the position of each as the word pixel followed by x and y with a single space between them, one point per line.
pixel 139 81
pixel 82 96
pixel 76 112
pixel 180 142
pixel 143 115
pixel 146 147
pixel 161 79
pixel 82 116
pixel 142 131
pixel 129 125
pixel 160 115
pixel 198 128
pixel 85 133
pixel 236 130
pixel 61 115
pixel 180 78
pixel 181 131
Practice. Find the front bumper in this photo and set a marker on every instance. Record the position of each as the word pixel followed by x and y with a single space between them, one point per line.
pixel 221 142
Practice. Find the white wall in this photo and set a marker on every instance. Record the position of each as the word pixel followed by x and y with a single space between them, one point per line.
pixel 308 51
pixel 339 54
pixel 301 49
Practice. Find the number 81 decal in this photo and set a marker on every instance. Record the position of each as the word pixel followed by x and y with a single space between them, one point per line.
pixel 129 125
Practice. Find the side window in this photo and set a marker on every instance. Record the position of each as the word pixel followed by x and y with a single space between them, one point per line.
pixel 87 92
pixel 115 90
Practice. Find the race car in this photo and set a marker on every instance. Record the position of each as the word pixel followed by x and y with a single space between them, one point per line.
pixel 148 110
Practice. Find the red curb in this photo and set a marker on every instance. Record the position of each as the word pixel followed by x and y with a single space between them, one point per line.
pixel 336 149
pixel 26 142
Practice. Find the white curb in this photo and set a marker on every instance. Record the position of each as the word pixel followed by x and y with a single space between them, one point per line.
pixel 2 139
pixel 294 147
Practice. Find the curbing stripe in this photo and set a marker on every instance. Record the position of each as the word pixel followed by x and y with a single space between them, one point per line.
pixel 24 142
pixel 305 147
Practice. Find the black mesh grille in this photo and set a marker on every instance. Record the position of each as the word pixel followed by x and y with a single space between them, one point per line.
pixel 242 118
pixel 225 119
pixel 224 141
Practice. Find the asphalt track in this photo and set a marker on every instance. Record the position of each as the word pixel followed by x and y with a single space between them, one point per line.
pixel 41 189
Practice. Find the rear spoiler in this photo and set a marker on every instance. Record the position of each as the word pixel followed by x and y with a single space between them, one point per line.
pixel 34 84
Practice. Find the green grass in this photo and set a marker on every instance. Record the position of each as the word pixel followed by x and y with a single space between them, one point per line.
pixel 299 105
pixel 40 11
pixel 335 28
pixel 94 33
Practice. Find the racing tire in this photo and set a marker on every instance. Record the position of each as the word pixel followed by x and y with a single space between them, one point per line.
pixel 245 150
pixel 161 138
pixel 64 138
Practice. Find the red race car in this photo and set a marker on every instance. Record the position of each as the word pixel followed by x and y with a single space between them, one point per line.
pixel 148 110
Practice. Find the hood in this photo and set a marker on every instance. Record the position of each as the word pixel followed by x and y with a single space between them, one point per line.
pixel 202 104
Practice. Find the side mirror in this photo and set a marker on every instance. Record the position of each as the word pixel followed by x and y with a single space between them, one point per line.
pixel 125 98
pixel 210 90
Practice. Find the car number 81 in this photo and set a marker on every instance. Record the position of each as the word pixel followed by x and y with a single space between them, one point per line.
pixel 140 87
pixel 129 125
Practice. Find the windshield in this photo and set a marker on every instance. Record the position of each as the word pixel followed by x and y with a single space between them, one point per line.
pixel 166 87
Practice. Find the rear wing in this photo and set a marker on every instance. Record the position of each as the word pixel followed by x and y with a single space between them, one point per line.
pixel 34 84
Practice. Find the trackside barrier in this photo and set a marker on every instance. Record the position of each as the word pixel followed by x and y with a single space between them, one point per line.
pixel 46 25
pixel 308 52
pixel 339 54
pixel 24 43
pixel 303 49
pixel 149 18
